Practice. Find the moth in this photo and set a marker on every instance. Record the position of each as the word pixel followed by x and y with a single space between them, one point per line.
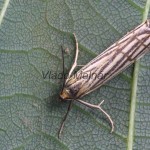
pixel 104 67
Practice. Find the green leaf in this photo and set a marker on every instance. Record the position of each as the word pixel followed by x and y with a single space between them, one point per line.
pixel 31 35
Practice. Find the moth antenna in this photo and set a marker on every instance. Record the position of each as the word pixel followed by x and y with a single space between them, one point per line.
pixel 63 66
pixel 64 119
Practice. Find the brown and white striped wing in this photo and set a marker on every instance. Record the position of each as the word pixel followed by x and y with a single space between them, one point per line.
pixel 112 61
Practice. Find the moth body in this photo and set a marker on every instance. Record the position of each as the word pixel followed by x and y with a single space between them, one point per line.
pixel 109 63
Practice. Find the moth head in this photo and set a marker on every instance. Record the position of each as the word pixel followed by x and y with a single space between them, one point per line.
pixel 69 92
pixel 65 94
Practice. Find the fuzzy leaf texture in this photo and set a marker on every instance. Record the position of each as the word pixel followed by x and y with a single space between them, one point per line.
pixel 31 35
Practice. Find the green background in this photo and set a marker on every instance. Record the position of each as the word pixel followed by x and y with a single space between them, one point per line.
pixel 31 35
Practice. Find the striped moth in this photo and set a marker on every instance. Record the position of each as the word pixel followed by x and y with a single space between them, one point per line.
pixel 104 67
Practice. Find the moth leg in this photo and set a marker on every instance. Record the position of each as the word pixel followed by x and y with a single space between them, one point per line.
pixel 64 119
pixel 99 107
pixel 76 57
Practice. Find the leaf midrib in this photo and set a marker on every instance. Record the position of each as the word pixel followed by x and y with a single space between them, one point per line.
pixel 134 90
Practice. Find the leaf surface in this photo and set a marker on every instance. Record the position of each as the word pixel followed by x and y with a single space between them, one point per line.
pixel 31 35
